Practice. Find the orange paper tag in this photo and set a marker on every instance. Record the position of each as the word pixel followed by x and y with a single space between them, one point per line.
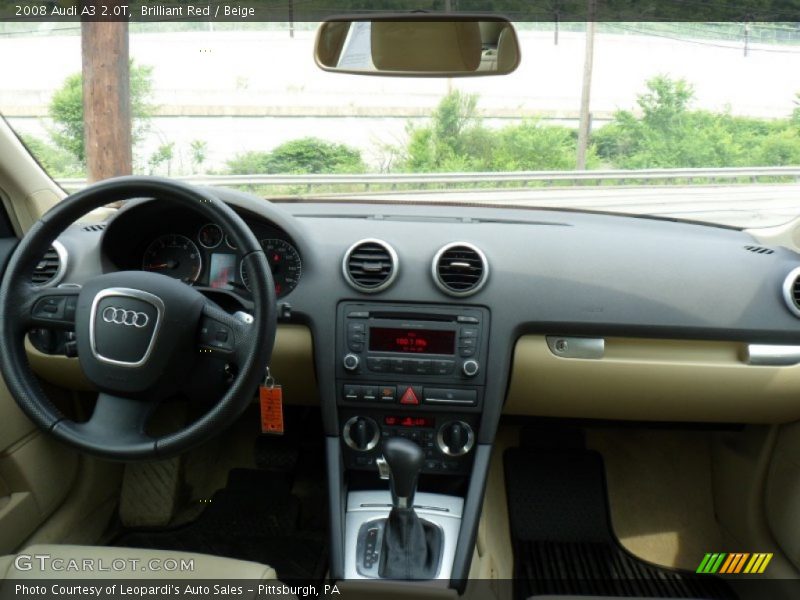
pixel 271 400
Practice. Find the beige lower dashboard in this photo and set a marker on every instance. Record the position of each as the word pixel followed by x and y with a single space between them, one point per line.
pixel 652 380
pixel 292 366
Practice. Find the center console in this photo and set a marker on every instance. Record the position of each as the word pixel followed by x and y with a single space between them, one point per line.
pixel 417 373
pixel 410 371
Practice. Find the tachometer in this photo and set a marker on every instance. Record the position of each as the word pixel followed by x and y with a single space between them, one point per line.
pixel 174 255
pixel 285 262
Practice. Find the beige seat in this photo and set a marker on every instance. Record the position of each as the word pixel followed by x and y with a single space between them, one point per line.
pixel 56 561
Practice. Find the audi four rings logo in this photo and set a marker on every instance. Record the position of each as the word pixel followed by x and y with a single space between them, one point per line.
pixel 122 316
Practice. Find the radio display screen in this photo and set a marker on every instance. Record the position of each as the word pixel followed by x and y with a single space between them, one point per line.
pixel 411 341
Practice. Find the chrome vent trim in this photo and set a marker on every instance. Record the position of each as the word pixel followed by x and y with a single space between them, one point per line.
pixel 791 291
pixel 57 253
pixel 451 249
pixel 380 275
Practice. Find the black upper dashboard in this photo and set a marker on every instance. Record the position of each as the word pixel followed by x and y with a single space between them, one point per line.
pixel 558 271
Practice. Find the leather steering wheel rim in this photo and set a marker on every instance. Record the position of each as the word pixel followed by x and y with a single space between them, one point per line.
pixel 254 341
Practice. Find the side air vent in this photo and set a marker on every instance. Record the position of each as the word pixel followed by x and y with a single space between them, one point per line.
pixel 460 269
pixel 791 291
pixel 370 265
pixel 759 250
pixel 50 269
pixel 95 227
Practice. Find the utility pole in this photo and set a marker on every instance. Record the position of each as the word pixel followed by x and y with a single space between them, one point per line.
pixel 106 98
pixel 585 116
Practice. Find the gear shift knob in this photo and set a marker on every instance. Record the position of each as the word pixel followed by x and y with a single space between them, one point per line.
pixel 404 459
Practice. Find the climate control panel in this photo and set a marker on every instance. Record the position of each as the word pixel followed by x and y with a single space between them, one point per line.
pixel 446 439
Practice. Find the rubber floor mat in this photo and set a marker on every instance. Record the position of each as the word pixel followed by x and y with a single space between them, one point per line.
pixel 255 517
pixel 563 540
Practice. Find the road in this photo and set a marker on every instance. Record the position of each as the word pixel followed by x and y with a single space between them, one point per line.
pixel 746 205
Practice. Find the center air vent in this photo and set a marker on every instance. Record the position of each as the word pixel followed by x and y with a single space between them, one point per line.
pixel 50 269
pixel 460 269
pixel 370 266
pixel 791 291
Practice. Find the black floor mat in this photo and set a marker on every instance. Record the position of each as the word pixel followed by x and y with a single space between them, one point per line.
pixel 255 517
pixel 563 539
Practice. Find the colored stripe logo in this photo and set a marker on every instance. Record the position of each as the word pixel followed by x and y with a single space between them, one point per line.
pixel 734 563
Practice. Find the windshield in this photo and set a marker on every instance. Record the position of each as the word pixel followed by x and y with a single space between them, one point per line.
pixel 696 121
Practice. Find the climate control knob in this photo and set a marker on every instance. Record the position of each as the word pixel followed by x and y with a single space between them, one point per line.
pixel 351 361
pixel 455 438
pixel 470 368
pixel 361 433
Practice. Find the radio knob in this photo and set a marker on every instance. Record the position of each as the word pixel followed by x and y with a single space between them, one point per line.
pixel 470 368
pixel 455 438
pixel 351 361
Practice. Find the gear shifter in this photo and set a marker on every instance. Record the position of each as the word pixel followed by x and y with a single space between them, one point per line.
pixel 411 547
pixel 404 459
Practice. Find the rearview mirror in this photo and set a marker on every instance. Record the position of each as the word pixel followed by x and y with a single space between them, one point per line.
pixel 418 46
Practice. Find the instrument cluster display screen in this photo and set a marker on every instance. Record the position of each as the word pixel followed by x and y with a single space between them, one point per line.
pixel 411 341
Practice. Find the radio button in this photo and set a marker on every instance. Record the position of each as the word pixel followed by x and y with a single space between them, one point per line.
pixel 466 343
pixel 422 367
pixel 358 315
pixel 466 352
pixel 469 332
pixel 463 319
pixel 357 327
pixel 378 365
pixel 443 367
pixel 398 365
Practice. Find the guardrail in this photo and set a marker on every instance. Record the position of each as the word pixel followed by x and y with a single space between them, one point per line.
pixel 423 180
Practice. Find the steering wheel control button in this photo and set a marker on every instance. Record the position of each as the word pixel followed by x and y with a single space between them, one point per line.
pixel 216 336
pixel 123 325
pixel 53 308
pixel 470 368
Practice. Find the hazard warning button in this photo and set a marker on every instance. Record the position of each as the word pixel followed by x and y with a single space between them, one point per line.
pixel 409 397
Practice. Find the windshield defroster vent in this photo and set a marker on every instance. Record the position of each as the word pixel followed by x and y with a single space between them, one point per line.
pixel 370 265
pixel 50 269
pixel 791 291
pixel 460 269
pixel 759 250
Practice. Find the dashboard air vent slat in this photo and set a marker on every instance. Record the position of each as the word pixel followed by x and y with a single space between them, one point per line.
pixel 759 250
pixel 460 269
pixel 370 265
pixel 49 269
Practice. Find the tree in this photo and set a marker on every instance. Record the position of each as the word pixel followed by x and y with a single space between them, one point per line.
pixel 303 155
pixel 66 110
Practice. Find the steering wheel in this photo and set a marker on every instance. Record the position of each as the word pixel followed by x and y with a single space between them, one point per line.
pixel 138 334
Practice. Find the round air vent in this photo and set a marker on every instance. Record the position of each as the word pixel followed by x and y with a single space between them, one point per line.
pixel 50 269
pixel 791 291
pixel 370 265
pixel 460 269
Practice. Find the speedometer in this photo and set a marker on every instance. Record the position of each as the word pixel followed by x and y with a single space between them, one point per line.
pixel 174 255
pixel 284 260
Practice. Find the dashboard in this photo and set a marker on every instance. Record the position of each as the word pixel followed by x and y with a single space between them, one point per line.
pixel 197 252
